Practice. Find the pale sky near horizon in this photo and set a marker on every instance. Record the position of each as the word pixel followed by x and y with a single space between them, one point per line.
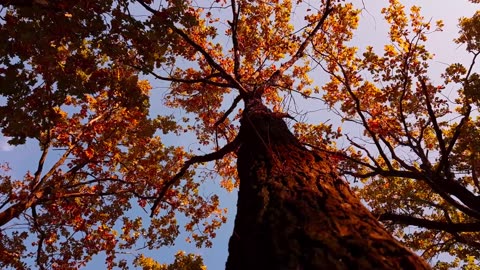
pixel 372 31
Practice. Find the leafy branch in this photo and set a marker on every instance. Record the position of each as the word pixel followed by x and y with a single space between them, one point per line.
pixel 228 148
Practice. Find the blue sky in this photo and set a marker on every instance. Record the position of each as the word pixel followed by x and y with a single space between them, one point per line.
pixel 372 31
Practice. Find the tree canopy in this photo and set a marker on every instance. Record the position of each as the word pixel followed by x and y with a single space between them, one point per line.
pixel 77 76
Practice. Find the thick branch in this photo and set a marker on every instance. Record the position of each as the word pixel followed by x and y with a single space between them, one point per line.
pixel 229 111
pixel 15 210
pixel 436 126
pixel 365 150
pixel 228 148
pixel 430 224
pixel 210 60
pixel 23 3
pixel 440 186
pixel 205 80
pixel 38 191
pixel 41 238
pixel 236 51
pixel 201 50
pixel 41 162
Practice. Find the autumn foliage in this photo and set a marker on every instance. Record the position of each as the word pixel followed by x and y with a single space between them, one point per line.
pixel 77 77
pixel 417 156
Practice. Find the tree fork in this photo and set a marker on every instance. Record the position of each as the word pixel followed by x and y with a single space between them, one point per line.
pixel 294 212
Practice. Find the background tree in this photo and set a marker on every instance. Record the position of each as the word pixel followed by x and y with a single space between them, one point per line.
pixel 65 86
pixel 417 158
pixel 70 79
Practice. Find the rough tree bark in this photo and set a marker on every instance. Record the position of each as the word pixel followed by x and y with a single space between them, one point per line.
pixel 294 212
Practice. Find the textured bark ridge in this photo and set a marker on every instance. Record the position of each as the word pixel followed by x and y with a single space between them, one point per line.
pixel 295 213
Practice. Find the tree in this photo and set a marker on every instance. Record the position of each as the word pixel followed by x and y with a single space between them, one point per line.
pixel 418 158
pixel 70 73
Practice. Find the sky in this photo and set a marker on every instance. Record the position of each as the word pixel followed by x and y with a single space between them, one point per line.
pixel 372 31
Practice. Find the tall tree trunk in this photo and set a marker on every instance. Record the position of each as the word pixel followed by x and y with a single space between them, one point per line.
pixel 295 213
